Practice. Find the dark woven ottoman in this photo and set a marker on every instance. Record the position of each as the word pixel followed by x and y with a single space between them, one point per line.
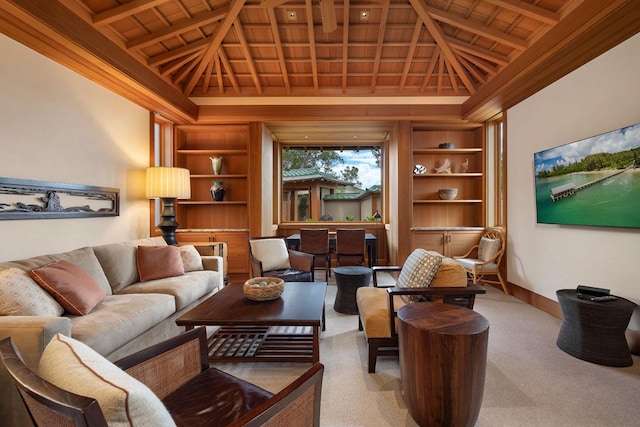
pixel 594 331
pixel 348 280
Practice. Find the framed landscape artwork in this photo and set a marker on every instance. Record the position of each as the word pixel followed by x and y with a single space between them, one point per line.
pixel 593 182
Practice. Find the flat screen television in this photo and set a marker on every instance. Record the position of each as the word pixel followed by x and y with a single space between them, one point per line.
pixel 592 182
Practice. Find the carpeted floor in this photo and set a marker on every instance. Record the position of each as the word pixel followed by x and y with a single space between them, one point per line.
pixel 529 381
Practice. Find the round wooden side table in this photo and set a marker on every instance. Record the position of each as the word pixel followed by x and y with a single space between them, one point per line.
pixel 348 280
pixel 594 331
pixel 443 360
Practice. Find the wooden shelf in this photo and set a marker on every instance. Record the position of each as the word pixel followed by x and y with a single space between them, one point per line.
pixel 207 152
pixel 446 151
pixel 448 201
pixel 219 176
pixel 211 202
pixel 447 175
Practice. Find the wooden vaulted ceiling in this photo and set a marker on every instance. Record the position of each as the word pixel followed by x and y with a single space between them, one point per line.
pixel 170 55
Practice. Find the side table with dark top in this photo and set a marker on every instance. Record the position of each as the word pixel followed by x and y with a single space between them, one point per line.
pixel 595 331
pixel 348 280
pixel 443 360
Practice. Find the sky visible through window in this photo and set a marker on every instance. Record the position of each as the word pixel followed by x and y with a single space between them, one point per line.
pixel 368 172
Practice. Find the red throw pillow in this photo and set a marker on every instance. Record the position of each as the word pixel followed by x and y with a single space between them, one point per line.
pixel 157 262
pixel 70 285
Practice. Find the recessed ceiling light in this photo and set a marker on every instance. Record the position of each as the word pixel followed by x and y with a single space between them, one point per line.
pixel 292 15
pixel 364 15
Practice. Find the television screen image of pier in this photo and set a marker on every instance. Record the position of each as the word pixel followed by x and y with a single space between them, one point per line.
pixel 566 190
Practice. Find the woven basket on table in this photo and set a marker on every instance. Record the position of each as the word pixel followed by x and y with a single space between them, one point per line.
pixel 273 290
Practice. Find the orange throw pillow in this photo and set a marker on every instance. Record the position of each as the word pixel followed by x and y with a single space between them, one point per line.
pixel 70 285
pixel 158 262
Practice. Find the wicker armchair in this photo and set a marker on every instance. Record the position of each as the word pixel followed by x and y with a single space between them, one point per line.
pixel 178 372
pixel 483 259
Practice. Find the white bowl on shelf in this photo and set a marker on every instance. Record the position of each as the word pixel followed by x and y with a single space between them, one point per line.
pixel 448 193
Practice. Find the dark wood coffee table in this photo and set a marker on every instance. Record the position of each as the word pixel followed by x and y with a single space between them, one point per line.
pixel 286 329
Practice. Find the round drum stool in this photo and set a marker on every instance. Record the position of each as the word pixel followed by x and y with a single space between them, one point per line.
pixel 443 359
pixel 348 280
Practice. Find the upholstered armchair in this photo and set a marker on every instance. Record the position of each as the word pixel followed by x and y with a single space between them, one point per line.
pixel 170 382
pixel 270 257
pixel 425 276
pixel 484 259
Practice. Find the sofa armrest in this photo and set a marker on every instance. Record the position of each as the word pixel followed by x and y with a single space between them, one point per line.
pixel 30 334
pixel 213 262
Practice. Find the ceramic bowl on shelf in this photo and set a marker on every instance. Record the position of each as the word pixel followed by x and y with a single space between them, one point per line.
pixel 263 288
pixel 447 145
pixel 448 193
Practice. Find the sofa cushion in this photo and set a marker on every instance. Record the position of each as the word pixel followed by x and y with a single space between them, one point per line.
pixel 191 258
pixel 70 285
pixel 84 258
pixel 418 270
pixel 272 253
pixel 451 274
pixel 118 260
pixel 20 295
pixel 157 262
pixel 124 400
pixel 373 306
pixel 119 319
pixel 185 289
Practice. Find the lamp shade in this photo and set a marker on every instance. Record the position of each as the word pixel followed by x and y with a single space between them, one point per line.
pixel 168 182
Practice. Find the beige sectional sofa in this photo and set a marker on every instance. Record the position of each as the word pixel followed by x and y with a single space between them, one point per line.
pixel 132 315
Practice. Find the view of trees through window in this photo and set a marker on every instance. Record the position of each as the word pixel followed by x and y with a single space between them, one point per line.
pixel 330 184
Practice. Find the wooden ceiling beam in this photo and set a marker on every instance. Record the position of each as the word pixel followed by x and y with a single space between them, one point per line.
pixel 381 30
pixel 178 28
pixel 179 52
pixel 429 73
pixel 479 52
pixel 312 44
pixel 275 33
pixel 417 29
pixel 530 10
pixel 234 9
pixel 424 13
pixel 329 19
pixel 475 27
pixel 247 55
pixel 230 74
pixel 345 45
pixel 124 11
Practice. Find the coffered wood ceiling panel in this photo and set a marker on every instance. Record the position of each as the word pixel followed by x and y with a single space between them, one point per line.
pixel 176 56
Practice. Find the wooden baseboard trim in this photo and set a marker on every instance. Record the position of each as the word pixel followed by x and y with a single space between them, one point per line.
pixel 538 301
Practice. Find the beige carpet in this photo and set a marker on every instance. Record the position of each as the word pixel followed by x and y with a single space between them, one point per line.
pixel 529 381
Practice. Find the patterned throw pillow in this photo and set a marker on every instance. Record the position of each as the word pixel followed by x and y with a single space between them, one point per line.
pixel 488 248
pixel 191 258
pixel 418 271
pixel 20 295
pixel 125 401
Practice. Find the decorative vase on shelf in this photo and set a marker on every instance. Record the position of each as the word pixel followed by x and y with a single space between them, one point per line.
pixel 216 164
pixel 217 191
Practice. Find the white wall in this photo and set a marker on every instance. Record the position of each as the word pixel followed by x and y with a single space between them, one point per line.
pixel 58 126
pixel 602 95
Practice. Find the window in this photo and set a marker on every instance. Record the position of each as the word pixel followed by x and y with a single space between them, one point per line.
pixel 331 183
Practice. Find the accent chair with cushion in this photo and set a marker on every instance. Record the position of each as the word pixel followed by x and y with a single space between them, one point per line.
pixel 425 276
pixel 484 259
pixel 167 384
pixel 270 257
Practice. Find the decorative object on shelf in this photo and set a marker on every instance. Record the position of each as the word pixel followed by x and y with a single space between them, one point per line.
pixel 448 193
pixel 263 288
pixel 217 191
pixel 419 169
pixel 447 145
pixel 168 184
pixel 445 167
pixel 216 164
pixel 96 201
pixel 464 166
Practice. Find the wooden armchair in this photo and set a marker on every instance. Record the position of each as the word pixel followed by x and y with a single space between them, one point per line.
pixel 315 241
pixel 177 371
pixel 484 259
pixel 378 306
pixel 270 257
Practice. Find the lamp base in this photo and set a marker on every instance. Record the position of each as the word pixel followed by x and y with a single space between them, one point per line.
pixel 168 224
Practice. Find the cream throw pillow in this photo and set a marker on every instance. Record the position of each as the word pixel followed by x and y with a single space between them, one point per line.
pixel 488 248
pixel 20 295
pixel 191 258
pixel 418 271
pixel 272 253
pixel 125 401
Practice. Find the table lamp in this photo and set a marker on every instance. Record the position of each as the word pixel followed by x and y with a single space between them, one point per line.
pixel 168 184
